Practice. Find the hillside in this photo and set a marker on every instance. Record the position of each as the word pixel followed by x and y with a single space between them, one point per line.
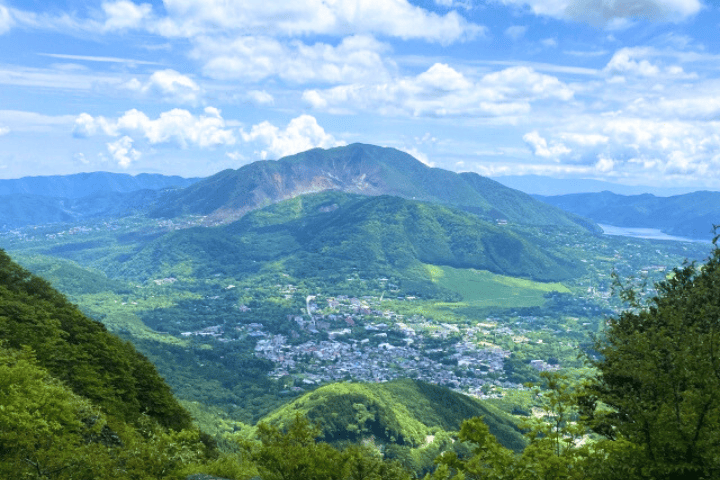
pixel 20 210
pixel 79 351
pixel 691 215
pixel 84 184
pixel 330 233
pixel 402 412
pixel 408 420
pixel 360 169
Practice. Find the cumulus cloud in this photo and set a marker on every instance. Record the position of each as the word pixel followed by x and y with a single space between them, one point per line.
pixel 6 21
pixel 355 59
pixel 635 147
pixel 122 151
pixel 443 91
pixel 302 133
pixel 4 131
pixel 260 97
pixel 542 149
pixel 395 18
pixel 169 85
pixel 175 126
pixel 641 62
pixel 609 12
pixel 124 14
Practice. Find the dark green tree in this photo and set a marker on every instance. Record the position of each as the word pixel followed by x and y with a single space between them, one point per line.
pixel 659 367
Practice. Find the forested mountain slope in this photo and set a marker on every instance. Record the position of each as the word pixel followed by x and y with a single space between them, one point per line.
pixel 690 215
pixel 332 232
pixel 361 169
pixel 79 351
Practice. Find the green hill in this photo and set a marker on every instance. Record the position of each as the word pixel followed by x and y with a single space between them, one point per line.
pixel 80 352
pixel 408 420
pixel 332 233
pixel 404 412
pixel 360 169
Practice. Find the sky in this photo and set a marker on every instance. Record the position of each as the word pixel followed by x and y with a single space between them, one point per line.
pixel 626 91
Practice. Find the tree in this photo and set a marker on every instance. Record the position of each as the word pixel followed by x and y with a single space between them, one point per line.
pixel 295 455
pixel 659 367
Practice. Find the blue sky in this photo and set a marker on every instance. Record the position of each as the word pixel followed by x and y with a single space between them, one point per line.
pixel 626 91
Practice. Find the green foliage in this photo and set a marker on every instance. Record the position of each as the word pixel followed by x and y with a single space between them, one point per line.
pixel 331 234
pixel 80 352
pixel 294 454
pixel 402 411
pixel 660 375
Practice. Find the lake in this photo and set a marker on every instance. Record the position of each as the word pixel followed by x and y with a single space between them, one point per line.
pixel 649 233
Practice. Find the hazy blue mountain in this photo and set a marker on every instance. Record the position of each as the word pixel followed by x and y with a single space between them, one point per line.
pixel 361 169
pixel 690 215
pixel 542 185
pixel 22 210
pixel 84 184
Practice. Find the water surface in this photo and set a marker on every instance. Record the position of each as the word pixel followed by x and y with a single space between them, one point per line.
pixel 649 233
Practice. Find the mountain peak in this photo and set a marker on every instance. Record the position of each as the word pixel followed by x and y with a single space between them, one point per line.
pixel 357 168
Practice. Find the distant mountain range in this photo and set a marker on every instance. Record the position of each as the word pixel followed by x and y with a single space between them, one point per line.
pixel 227 196
pixel 691 215
pixel 19 210
pixel 542 185
pixel 84 184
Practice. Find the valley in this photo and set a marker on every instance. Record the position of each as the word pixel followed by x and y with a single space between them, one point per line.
pixel 247 330
pixel 337 300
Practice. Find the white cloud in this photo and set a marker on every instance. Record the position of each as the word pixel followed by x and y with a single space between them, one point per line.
pixel 302 133
pixel 260 97
pixel 629 146
pixel 625 61
pixel 611 12
pixel 584 140
pixel 4 131
pixel 542 149
pixel 516 32
pixel 395 18
pixel 175 126
pixel 355 59
pixel 6 21
pixel 169 85
pixel 122 152
pixel 124 14
pixel 443 91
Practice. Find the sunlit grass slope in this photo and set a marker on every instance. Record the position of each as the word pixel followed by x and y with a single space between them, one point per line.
pixel 480 288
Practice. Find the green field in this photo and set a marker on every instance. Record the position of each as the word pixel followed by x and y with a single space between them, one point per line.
pixel 480 288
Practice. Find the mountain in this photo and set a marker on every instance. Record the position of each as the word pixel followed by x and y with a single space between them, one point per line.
pixel 542 185
pixel 409 420
pixel 402 411
pixel 84 184
pixel 80 352
pixel 333 233
pixel 360 169
pixel 691 215
pixel 20 210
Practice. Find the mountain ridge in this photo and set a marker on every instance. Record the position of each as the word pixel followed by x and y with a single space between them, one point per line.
pixel 689 215
pixel 80 185
pixel 361 169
